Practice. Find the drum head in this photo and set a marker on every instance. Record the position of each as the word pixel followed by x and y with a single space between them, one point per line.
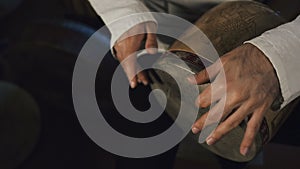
pixel 228 146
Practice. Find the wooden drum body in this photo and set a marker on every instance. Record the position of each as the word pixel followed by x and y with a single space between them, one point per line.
pixel 227 26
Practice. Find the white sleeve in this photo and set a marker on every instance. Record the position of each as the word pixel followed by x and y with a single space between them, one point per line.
pixel 112 10
pixel 282 46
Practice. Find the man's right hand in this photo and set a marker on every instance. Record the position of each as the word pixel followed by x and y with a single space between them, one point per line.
pixel 128 45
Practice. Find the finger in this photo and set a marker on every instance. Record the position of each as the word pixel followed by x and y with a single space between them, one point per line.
pixel 129 66
pixel 206 74
pixel 230 123
pixel 151 41
pixel 233 100
pixel 223 108
pixel 211 94
pixel 143 78
pixel 252 128
pixel 211 117
pixel 199 123
pixel 126 54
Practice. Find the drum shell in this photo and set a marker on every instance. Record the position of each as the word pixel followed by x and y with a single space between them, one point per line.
pixel 227 26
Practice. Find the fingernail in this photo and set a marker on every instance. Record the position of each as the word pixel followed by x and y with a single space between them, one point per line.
pixel 192 80
pixel 244 151
pixel 210 141
pixel 132 85
pixel 195 130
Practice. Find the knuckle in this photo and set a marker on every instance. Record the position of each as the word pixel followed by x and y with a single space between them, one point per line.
pixel 203 103
pixel 233 124
pixel 198 123
pixel 236 95
pixel 223 129
pixel 218 134
pixel 234 99
pixel 205 98
pixel 202 75
pixel 251 105
pixel 141 76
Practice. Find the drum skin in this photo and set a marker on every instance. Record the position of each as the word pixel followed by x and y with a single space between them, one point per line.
pixel 227 26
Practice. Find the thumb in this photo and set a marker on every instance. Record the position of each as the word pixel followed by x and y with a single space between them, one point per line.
pixel 129 66
pixel 151 41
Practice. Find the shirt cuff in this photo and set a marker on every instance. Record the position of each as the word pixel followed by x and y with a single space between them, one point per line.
pixel 120 16
pixel 122 25
pixel 282 47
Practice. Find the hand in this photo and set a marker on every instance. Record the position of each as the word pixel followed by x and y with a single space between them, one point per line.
pixel 251 88
pixel 128 44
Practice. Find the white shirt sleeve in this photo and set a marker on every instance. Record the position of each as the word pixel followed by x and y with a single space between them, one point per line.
pixel 113 13
pixel 282 46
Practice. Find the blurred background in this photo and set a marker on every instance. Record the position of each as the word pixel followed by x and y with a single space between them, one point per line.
pixel 39 43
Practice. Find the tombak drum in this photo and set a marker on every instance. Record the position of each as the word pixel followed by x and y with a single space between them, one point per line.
pixel 227 26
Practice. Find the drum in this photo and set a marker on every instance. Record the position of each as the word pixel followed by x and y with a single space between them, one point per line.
pixel 227 26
